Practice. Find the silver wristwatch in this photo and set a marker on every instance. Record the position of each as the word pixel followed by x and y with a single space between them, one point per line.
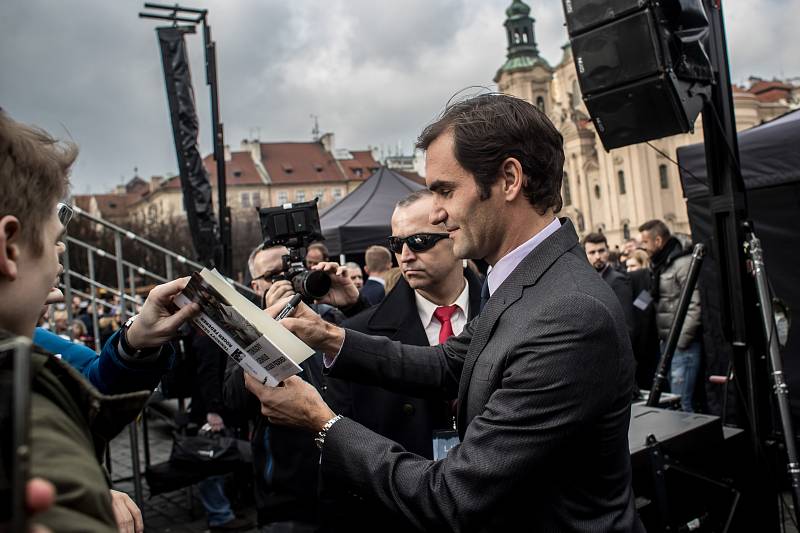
pixel 320 438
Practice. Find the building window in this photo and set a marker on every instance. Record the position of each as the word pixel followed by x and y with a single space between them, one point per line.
pixel 626 231
pixel 621 178
pixel 597 191
pixel 319 193
pixel 566 192
pixel 540 103
pixel 300 196
pixel 283 197
pixel 662 176
pixel 245 199
pixel 256 198
pixel 337 194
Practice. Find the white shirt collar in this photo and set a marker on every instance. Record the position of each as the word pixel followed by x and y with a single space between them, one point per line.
pixel 509 262
pixel 425 307
pixel 379 280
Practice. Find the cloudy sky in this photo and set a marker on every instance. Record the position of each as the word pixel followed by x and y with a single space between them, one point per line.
pixel 374 71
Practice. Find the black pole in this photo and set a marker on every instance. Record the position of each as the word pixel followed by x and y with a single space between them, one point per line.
pixel 677 325
pixel 780 389
pixel 729 212
pixel 219 149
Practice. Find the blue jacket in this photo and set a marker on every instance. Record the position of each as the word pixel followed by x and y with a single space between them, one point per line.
pixel 108 372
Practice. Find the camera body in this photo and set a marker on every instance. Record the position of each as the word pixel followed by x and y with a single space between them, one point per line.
pixel 295 226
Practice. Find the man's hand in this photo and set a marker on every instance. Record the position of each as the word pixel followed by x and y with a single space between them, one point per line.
pixel 126 513
pixel 309 327
pixel 292 403
pixel 157 322
pixel 278 291
pixel 343 292
pixel 215 421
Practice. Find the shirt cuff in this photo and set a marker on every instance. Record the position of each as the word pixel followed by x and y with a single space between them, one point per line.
pixel 330 360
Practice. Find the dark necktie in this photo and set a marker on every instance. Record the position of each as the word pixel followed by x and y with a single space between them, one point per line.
pixel 484 293
pixel 443 315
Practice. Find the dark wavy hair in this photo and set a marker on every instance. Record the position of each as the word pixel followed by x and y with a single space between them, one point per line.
pixel 489 128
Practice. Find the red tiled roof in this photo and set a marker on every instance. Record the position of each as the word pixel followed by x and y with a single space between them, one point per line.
pixel 240 170
pixel 299 162
pixel 362 161
pixel 770 91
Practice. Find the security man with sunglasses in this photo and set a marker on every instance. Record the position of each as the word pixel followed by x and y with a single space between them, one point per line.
pixel 433 300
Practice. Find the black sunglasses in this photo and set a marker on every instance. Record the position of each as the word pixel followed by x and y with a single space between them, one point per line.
pixel 419 242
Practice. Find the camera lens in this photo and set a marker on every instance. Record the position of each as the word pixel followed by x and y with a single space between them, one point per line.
pixel 312 283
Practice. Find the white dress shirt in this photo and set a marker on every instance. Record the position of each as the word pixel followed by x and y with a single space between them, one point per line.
pixel 509 262
pixel 432 326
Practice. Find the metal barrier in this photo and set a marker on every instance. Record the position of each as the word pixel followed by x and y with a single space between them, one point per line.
pixel 128 298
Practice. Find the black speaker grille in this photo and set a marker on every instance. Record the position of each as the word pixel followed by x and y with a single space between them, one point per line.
pixel 617 54
pixel 582 15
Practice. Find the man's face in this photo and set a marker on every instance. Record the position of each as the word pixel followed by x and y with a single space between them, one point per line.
pixel 356 276
pixel 650 242
pixel 267 263
pixel 314 257
pixel 475 226
pixel 597 254
pixel 36 276
pixel 423 270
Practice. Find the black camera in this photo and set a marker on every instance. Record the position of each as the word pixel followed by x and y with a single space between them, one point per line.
pixel 295 226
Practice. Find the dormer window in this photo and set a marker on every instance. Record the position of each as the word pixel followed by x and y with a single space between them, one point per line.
pixel 237 173
pixel 287 168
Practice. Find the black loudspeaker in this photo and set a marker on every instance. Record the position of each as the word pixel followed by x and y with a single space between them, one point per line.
pixel 642 65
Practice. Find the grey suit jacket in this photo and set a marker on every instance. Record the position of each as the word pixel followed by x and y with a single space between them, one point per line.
pixel 544 380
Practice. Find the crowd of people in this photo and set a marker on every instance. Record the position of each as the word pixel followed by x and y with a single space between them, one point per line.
pixel 439 398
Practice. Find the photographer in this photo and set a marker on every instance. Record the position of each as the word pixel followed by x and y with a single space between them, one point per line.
pixel 284 459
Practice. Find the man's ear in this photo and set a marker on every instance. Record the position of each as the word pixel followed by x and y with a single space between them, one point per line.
pixel 512 178
pixel 10 229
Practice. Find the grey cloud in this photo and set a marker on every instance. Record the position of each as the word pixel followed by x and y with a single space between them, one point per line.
pixel 375 71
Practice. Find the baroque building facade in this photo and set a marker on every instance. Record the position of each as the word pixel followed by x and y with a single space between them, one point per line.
pixel 613 192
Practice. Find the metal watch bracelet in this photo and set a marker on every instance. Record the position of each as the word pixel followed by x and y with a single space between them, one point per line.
pixel 320 438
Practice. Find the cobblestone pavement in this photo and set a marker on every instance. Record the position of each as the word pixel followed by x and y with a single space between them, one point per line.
pixel 176 512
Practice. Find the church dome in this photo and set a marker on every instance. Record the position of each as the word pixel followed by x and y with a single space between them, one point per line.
pixel 518 9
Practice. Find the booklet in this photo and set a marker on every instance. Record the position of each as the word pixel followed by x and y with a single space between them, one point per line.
pixel 257 342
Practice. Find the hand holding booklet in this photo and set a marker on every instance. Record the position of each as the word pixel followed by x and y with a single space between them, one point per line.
pixel 257 342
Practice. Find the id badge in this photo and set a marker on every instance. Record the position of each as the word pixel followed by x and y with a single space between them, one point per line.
pixel 643 300
pixel 444 441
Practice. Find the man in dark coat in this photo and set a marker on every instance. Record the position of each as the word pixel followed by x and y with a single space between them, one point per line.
pixel 378 261
pixel 596 247
pixel 433 278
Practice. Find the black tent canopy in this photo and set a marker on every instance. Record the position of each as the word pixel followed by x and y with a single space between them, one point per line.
pixel 363 217
pixel 770 164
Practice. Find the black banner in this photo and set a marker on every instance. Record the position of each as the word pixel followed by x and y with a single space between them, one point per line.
pixel 194 177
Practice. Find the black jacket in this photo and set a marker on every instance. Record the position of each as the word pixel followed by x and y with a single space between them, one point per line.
pixel 373 291
pixel 405 419
pixel 286 460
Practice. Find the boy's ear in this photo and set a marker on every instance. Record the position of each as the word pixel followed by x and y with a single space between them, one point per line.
pixel 10 229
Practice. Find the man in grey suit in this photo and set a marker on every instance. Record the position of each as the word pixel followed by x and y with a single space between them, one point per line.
pixel 543 375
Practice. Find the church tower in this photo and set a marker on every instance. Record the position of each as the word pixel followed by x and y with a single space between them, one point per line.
pixel 525 73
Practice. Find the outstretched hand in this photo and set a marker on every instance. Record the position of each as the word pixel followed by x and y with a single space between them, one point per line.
pixel 158 321
pixel 310 328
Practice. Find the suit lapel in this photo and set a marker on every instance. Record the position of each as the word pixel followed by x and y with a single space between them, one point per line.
pixel 397 317
pixel 527 273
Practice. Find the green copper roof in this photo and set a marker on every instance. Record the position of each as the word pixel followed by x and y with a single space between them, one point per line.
pixel 518 8
pixel 523 62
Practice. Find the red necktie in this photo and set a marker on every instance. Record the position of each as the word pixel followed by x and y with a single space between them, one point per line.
pixel 443 315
